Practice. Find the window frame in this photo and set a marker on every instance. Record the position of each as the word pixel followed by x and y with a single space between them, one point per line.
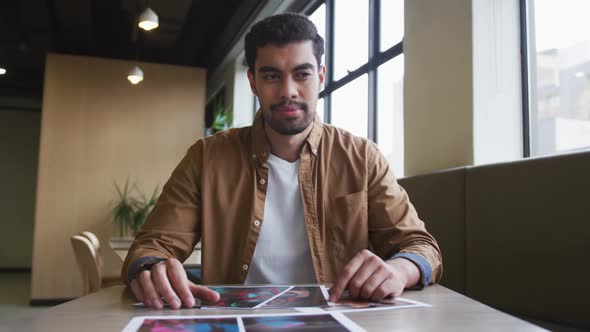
pixel 376 58
pixel 525 77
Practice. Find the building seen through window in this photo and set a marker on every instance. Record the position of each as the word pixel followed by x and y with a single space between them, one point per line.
pixel 559 75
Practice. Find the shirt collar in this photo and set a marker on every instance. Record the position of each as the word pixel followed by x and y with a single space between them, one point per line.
pixel 261 145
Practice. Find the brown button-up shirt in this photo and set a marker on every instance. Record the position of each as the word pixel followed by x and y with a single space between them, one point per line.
pixel 216 195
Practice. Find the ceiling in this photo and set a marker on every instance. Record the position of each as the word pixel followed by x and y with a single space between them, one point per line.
pixel 191 33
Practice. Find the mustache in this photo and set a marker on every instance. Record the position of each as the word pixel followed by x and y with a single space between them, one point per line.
pixel 301 105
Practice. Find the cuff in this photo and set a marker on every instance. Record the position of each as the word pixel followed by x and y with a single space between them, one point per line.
pixel 421 263
pixel 132 270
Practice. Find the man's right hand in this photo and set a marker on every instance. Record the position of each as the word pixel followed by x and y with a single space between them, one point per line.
pixel 168 280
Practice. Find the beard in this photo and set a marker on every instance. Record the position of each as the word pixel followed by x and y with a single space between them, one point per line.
pixel 289 125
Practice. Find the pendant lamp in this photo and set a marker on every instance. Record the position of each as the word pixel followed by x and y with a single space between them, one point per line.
pixel 135 75
pixel 148 20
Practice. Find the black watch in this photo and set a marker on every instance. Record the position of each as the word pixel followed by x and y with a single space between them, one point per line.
pixel 147 266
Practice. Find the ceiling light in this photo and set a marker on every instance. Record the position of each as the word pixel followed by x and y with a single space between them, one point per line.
pixel 2 71
pixel 580 74
pixel 148 20
pixel 135 75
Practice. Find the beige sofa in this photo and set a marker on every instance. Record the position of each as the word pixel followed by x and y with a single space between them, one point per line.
pixel 514 235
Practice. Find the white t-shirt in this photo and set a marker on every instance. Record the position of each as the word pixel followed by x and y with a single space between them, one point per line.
pixel 282 254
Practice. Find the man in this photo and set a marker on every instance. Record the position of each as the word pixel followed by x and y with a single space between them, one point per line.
pixel 287 200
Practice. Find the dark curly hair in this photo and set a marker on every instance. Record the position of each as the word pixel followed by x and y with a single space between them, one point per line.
pixel 280 30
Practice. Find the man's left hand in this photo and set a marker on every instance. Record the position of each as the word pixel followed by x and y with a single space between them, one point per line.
pixel 368 277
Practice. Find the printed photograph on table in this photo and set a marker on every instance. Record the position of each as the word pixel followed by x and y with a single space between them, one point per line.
pixel 299 296
pixel 321 323
pixel 326 322
pixel 192 324
pixel 243 297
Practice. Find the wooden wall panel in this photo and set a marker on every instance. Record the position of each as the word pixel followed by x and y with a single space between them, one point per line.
pixel 97 128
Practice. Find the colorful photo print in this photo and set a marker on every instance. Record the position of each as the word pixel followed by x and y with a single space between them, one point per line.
pixel 243 297
pixel 299 296
pixel 191 324
pixel 322 323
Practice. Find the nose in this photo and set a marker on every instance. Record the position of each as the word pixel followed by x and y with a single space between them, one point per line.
pixel 288 88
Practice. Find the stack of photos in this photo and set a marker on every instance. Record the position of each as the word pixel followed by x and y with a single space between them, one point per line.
pixel 334 322
pixel 312 311
pixel 303 298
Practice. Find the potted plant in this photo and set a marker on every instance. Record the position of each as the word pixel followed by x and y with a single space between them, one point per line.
pixel 130 211
pixel 222 118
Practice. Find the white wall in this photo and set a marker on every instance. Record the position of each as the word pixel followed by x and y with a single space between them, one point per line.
pixel 438 97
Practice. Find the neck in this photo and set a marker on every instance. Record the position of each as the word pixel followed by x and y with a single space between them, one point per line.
pixel 287 147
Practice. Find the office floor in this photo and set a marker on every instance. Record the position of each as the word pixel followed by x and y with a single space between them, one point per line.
pixel 15 290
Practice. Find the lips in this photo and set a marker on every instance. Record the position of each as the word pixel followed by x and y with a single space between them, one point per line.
pixel 288 110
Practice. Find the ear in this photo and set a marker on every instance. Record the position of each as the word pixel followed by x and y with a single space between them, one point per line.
pixel 322 74
pixel 252 82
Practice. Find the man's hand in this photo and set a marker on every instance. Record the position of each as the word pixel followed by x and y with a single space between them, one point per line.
pixel 168 280
pixel 368 277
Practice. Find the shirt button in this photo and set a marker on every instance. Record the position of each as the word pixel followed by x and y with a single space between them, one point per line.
pixel 245 267
pixel 262 181
pixel 256 223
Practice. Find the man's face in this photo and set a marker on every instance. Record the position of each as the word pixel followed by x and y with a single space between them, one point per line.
pixel 287 83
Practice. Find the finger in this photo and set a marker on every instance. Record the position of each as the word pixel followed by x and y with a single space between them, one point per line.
pixel 204 293
pixel 371 265
pixel 348 272
pixel 389 288
pixel 372 284
pixel 162 284
pixel 137 291
pixel 152 298
pixel 179 282
pixel 382 291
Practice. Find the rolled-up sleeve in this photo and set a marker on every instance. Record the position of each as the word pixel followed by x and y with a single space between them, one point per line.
pixel 394 227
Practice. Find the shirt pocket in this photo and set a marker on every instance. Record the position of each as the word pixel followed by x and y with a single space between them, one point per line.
pixel 348 226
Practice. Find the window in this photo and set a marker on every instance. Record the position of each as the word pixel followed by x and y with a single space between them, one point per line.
pixel 319 19
pixel 352 101
pixel 390 107
pixel 351 35
pixel 558 82
pixel 320 108
pixel 363 91
pixel 392 23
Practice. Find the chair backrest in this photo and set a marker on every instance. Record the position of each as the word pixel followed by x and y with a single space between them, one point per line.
pixel 96 244
pixel 93 239
pixel 88 263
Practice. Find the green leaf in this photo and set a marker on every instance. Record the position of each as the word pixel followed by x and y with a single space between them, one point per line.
pixel 132 208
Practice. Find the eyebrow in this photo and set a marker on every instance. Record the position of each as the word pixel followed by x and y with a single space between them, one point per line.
pixel 306 65
pixel 270 69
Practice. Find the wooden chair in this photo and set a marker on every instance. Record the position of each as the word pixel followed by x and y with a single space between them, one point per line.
pixel 96 244
pixel 107 280
pixel 87 262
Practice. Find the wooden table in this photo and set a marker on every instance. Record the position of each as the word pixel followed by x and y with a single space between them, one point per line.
pixel 110 310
